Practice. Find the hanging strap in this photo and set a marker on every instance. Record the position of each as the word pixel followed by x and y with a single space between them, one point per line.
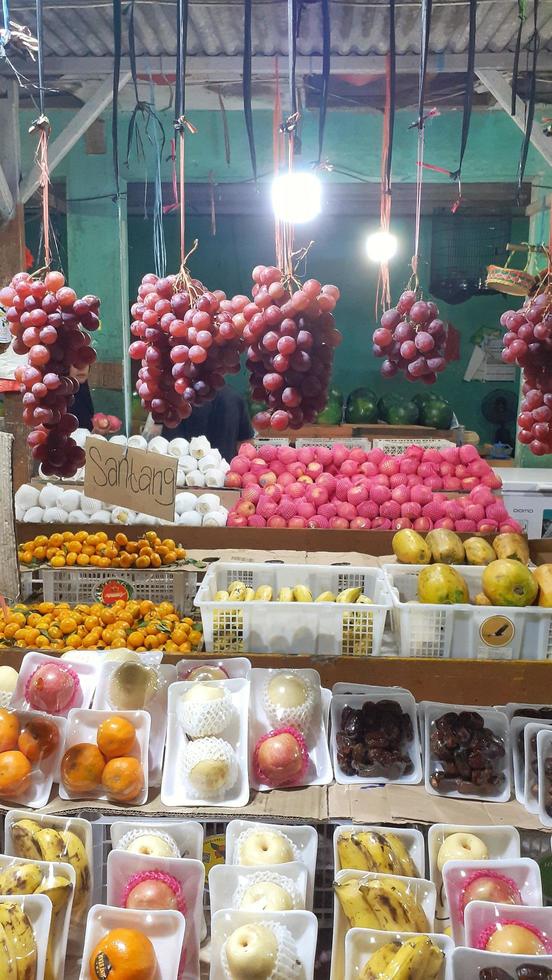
pixel 468 94
pixel 424 50
pixel 117 44
pixel 522 13
pixel 247 109
pixel 531 102
pixel 292 53
pixel 326 66
pixel 5 31
pixel 391 97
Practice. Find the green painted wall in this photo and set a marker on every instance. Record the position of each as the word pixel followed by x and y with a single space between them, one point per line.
pixel 352 142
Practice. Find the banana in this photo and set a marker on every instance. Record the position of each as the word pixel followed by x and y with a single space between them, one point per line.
pixel 377 966
pixel 363 600
pixel 378 851
pixel 237 592
pixel 74 852
pixel 249 595
pixel 20 879
pixel 326 597
pixel 351 854
pixel 355 908
pixel 302 594
pixel 349 595
pixel 236 585
pixel 20 936
pixel 285 595
pixel 222 595
pixel 403 857
pixel 414 911
pixel 50 844
pixel 264 593
pixel 23 836
pixel 8 966
pixel 393 906
pixel 58 890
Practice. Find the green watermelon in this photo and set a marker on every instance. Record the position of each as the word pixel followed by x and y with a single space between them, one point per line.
pixel 333 413
pixel 362 407
pixel 437 413
pixel 255 407
pixel 398 411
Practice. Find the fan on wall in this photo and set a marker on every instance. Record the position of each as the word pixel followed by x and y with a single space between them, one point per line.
pixel 500 408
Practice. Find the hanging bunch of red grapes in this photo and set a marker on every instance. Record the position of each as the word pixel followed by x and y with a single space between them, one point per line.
pixel 187 339
pixel 528 343
pixel 46 320
pixel 412 339
pixel 292 338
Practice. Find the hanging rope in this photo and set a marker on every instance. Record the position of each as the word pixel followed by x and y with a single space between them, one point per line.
pixel 277 138
pixel 535 41
pixel 383 288
pixel 522 13
pixel 390 93
pixel 424 49
pixel 181 124
pixel 41 125
pixel 247 109
pixel 326 66
pixel 117 45
pixel 468 94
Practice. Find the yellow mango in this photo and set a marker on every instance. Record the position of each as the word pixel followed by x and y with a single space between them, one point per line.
pixel 506 582
pixel 442 584
pixel 543 577
pixel 410 548
pixel 478 551
pixel 513 546
pixel 446 547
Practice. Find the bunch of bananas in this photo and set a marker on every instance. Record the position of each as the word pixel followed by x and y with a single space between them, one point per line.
pixel 417 958
pixel 238 591
pixel 35 842
pixel 380 903
pixel 30 879
pixel 18 952
pixel 369 850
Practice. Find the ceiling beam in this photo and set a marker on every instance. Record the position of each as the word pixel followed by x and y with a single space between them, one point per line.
pixel 81 121
pixel 221 68
pixel 500 88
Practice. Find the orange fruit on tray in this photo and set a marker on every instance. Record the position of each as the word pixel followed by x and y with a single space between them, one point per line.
pixel 39 738
pixel 15 770
pixel 123 954
pixel 116 737
pixel 9 730
pixel 123 778
pixel 82 767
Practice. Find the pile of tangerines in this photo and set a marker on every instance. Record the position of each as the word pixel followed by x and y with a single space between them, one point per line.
pixel 65 549
pixel 107 766
pixel 132 624
pixel 23 745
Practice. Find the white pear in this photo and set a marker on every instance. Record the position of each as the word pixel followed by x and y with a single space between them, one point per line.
pixel 266 896
pixel 152 845
pixel 251 952
pixel 209 776
pixel 201 693
pixel 462 847
pixel 8 679
pixel 265 847
pixel 287 691
pixel 206 672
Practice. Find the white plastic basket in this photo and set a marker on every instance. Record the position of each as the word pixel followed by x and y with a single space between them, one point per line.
pixel 322 628
pixel 464 631
pixel 75 585
pixel 353 443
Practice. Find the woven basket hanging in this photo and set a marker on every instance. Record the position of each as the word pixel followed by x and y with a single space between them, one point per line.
pixel 513 282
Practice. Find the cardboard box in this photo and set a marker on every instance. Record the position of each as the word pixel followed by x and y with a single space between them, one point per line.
pixel 532 510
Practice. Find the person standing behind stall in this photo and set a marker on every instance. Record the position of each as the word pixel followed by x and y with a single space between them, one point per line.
pixel 224 421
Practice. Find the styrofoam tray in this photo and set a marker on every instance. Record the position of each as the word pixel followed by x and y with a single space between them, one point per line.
pixel 524 872
pixel 361 944
pixel 44 774
pixel 228 881
pixel 303 927
pixel 77 825
pixel 87 673
pixel 389 691
pixel 174 791
pixel 468 962
pixel 544 751
pixel 164 929
pixel 512 706
pixel 187 834
pixel 304 840
pixel 319 772
pixel 408 706
pixel 412 839
pixel 517 728
pixel 423 890
pixel 480 915
pixel 501 842
pixel 234 666
pixel 61 922
pixel 82 726
pixel 531 799
pixel 498 724
pixel 190 874
pixel 157 710
pixel 38 909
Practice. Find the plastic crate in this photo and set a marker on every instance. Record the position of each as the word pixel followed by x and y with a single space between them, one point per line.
pixel 323 629
pixel 353 443
pixel 75 585
pixel 464 631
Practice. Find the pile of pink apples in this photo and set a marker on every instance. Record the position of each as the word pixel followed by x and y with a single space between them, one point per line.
pixel 341 488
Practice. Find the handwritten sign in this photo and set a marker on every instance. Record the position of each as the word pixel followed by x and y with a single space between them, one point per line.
pixel 142 481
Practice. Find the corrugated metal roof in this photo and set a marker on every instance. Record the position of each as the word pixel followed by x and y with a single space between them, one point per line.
pixel 78 28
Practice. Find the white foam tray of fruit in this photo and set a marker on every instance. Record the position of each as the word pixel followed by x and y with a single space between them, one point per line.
pixel 361 944
pixel 165 930
pixel 412 839
pixel 227 882
pixel 273 844
pixel 302 927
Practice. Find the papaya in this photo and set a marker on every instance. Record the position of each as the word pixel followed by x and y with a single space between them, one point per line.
pixel 478 551
pixel 543 577
pixel 512 546
pixel 506 582
pixel 442 584
pixel 446 547
pixel 410 548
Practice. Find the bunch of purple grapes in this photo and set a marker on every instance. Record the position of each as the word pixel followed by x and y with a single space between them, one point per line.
pixel 46 319
pixel 412 339
pixel 528 343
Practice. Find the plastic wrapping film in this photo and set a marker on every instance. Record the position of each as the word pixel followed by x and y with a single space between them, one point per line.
pixel 10 583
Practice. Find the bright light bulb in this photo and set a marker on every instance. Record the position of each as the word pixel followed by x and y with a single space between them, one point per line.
pixel 296 197
pixel 381 246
